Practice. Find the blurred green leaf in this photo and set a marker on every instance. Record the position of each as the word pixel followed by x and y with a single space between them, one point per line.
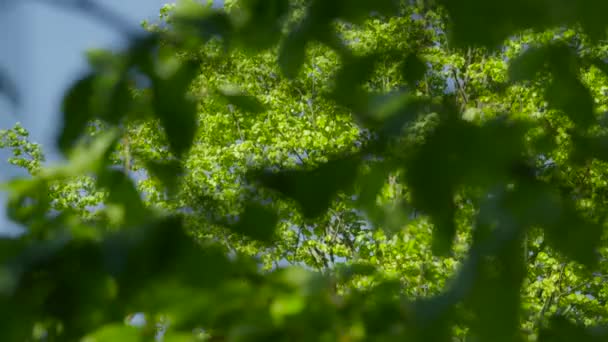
pixel 472 154
pixel 77 111
pixel 315 189
pixel 349 80
pixel 176 111
pixel 167 172
pixel 262 28
pixel 286 305
pixel 414 69
pixel 114 332
pixel 567 93
pixel 247 103
pixel 561 329
pixel 292 52
pixel 257 222
pixel 122 192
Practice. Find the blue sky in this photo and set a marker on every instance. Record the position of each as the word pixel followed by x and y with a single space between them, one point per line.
pixel 42 48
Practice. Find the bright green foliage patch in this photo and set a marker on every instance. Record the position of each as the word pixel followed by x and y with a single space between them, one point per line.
pixel 316 170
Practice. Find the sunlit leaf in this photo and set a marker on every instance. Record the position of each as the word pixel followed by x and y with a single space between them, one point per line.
pixel 114 332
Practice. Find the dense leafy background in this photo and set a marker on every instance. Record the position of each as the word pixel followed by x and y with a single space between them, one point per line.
pixel 323 171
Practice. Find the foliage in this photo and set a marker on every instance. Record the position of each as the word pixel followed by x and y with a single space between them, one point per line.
pixel 324 170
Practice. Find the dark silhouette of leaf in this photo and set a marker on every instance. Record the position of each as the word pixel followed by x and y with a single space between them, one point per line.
pixel 473 155
pixel 526 66
pixel 315 189
pixel 263 29
pixel 77 111
pixel 176 111
pixel 414 69
pixel 349 80
pixel 247 103
pixel 567 93
pixel 167 172
pixel 561 329
pixel 122 192
pixel 119 101
pixel 257 222
pixel 292 52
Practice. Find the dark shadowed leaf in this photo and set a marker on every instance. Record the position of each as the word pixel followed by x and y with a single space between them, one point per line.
pixel 247 103
pixel 473 155
pixel 348 89
pixel 122 192
pixel 565 92
pixel 536 204
pixel 314 190
pixel 263 29
pixel 569 94
pixel 414 69
pixel 526 66
pixel 347 272
pixel 257 222
pixel 475 22
pixel 77 111
pixel 176 111
pixel 195 20
pixel 503 273
pixel 561 329
pixel 574 236
pixel 168 172
pixel 119 100
pixel 292 52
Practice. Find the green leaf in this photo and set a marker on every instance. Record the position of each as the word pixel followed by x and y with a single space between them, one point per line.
pixel 292 52
pixel 176 111
pixel 88 156
pixel 347 272
pixel 526 66
pixel 114 332
pixel 77 111
pixel 562 329
pixel 247 103
pixel 178 337
pixel 414 69
pixel 263 28
pixel 257 222
pixel 123 192
pixel 350 78
pixel 286 305
pixel 119 101
pixel 476 156
pixel 167 172
pixel 569 94
pixel 195 20
pixel 315 189
pixel 478 23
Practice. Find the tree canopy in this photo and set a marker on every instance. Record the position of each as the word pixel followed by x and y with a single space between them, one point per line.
pixel 315 170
